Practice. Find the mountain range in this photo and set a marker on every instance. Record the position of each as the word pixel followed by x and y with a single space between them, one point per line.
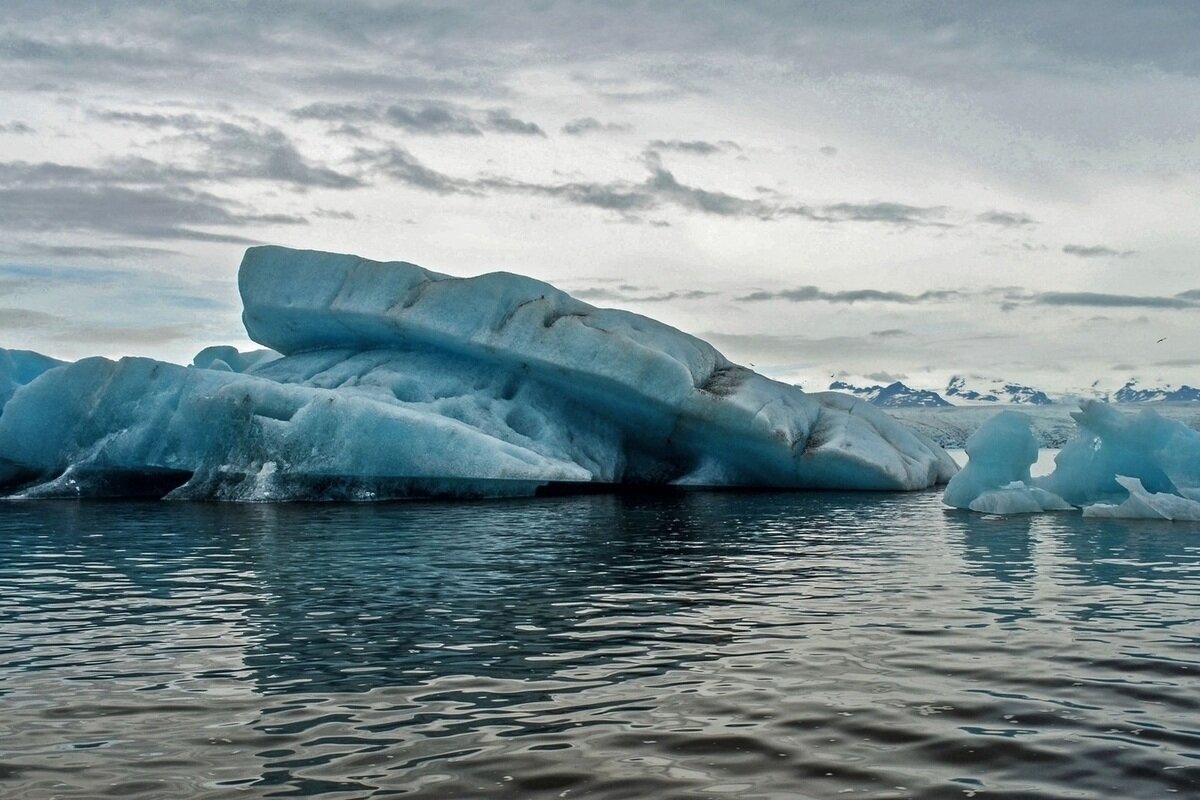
pixel 984 392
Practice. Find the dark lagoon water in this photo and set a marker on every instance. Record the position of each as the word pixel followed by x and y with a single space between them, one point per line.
pixel 696 645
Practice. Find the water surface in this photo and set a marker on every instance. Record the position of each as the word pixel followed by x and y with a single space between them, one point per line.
pixel 697 645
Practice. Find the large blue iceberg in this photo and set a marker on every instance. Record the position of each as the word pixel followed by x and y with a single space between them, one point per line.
pixel 388 380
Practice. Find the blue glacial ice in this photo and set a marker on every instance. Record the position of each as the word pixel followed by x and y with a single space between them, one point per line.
pixel 996 479
pixel 388 380
pixel 19 367
pixel 1118 465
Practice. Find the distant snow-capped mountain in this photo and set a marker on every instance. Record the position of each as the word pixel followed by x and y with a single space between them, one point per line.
pixel 976 391
pixel 1131 392
pixel 989 391
pixel 894 395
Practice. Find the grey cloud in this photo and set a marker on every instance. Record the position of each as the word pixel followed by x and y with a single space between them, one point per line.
pixel 1190 294
pixel 328 213
pixel 1095 251
pixel 890 333
pixel 403 166
pixel 234 151
pixel 893 213
pixel 1006 219
pixel 585 125
pixel 18 318
pixel 118 334
pixel 432 119
pixel 632 294
pixel 926 42
pixel 76 275
pixel 264 153
pixel 1099 300
pixel 421 117
pixel 503 121
pixel 425 118
pixel 664 184
pixel 106 253
pixel 1175 362
pixel 696 147
pixel 152 120
pixel 15 128
pixel 661 188
pixel 51 197
pixel 810 294
pixel 623 198
pixel 828 150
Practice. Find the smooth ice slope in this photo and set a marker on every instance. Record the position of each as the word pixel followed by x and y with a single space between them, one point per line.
pixel 1118 465
pixel 996 480
pixel 397 381
pixel 19 367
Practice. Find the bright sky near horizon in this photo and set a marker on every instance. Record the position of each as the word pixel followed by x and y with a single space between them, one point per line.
pixel 895 190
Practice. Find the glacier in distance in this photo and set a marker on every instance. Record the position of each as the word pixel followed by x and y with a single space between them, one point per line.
pixel 387 380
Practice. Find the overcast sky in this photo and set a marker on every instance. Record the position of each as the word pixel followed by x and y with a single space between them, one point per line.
pixel 900 190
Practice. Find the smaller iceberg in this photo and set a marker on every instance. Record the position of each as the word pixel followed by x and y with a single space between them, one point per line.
pixel 996 480
pixel 1118 466
pixel 1163 454
pixel 1146 505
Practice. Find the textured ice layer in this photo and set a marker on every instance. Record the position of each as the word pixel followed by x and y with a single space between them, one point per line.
pixel 397 381
pixel 1118 465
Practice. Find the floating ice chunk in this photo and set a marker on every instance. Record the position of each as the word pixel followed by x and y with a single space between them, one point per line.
pixel 1142 504
pixel 1162 454
pixel 1018 498
pixel 996 479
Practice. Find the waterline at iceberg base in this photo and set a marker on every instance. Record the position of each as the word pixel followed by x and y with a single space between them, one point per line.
pixel 394 381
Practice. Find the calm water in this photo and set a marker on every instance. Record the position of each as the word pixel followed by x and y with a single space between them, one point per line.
pixel 703 645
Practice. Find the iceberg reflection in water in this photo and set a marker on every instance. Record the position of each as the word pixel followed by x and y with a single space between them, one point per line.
pixel 615 646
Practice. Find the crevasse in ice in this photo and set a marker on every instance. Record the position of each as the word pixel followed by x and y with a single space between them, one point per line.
pixel 396 381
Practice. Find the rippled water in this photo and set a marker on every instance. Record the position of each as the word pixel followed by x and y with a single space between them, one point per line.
pixel 699 645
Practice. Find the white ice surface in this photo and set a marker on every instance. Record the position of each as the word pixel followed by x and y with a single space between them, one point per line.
pixel 395 380
pixel 1145 505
